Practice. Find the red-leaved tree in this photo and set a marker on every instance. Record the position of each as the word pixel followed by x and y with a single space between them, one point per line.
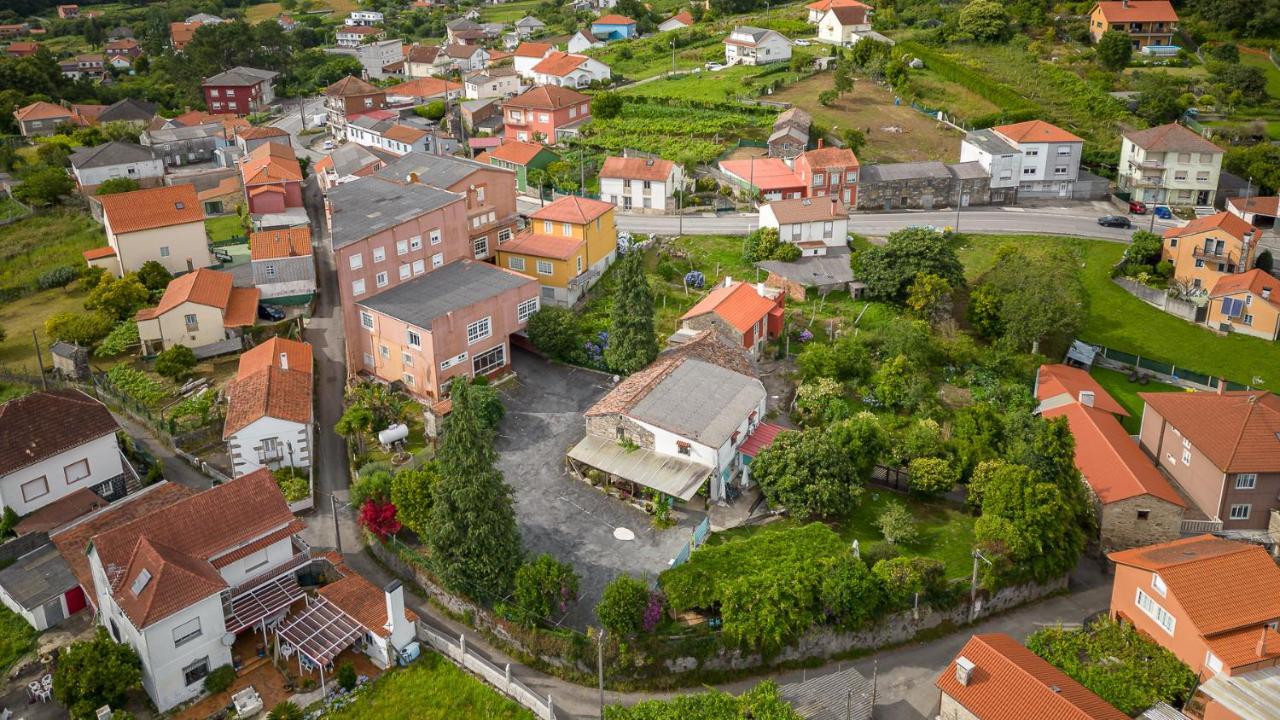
pixel 379 518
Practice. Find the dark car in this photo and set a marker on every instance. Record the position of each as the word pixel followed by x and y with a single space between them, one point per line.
pixel 1137 208
pixel 270 312
pixel 1115 221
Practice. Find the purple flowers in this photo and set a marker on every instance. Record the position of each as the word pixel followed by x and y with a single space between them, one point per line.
pixel 595 349
pixel 653 611
pixel 805 336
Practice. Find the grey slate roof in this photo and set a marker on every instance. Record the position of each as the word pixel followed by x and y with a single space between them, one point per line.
pixel 112 153
pixel 904 171
pixel 988 141
pixel 350 157
pixel 373 204
pixel 240 75
pixel 814 270
pixel 38 576
pixel 701 401
pixel 843 695
pixel 128 110
pixel 972 170
pixel 436 170
pixel 530 21
pixel 192 132
pixel 459 284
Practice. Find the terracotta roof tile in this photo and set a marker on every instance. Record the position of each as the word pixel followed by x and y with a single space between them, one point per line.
pixel 653 170
pixel 613 20
pixel 1227 222
pixel 764 173
pixel 1220 584
pixel 1264 205
pixel 262 131
pixel 351 86
pixel 1144 11
pixel 242 307
pixel 35 427
pixel 182 32
pixel 706 346
pixel 261 543
pixel 404 134
pixel 572 209
pixel 422 53
pixel 203 287
pixel 298 356
pixel 1009 682
pixel 99 253
pixel 424 87
pixel 1256 281
pixel 1171 137
pixel 558 64
pixel 1059 379
pixel 738 304
pixel 269 392
pixel 60 512
pixel 153 208
pixel 830 157
pixel 1240 647
pixel 271 163
pixel 533 49
pixel 547 97
pixel 172 581
pixel 557 247
pixel 849 14
pixel 515 152
pixel 290 242
pixel 802 210
pixel 1238 431
pixel 41 111
pixel 364 602
pixel 684 16
pixel 1036 131
pixel 824 5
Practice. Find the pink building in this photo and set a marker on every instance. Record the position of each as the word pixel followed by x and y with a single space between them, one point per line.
pixel 454 321
pixel 542 113
pixel 272 178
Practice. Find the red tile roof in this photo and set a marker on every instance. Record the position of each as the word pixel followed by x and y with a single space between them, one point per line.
pixel 1110 461
pixel 556 247
pixel 404 134
pixel 1037 131
pixel 269 392
pixel 1238 431
pixel 613 20
pixel 242 307
pixel 1172 137
pixel 1221 585
pixel 365 603
pixel 1059 379
pixel 351 86
pixel 271 163
pixel 41 111
pixel 1233 225
pixel 182 32
pixel 850 14
pixel 1240 647
pixel 684 16
pixel 768 174
pixel 60 512
pixel 298 356
pixel 1009 682
pixel 1265 205
pixel 270 244
pixel 99 253
pixel 533 49
pixel 547 97
pixel 759 439
pixel 1143 11
pixel 517 153
pixel 212 288
pixel 36 427
pixel 559 64
pixel 738 304
pixel 1256 281
pixel 802 210
pixel 830 157
pixel 824 5
pixel 427 87
pixel 154 208
pixel 572 209
pixel 638 168
pixel 261 131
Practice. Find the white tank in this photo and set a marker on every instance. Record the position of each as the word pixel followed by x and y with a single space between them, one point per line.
pixel 393 434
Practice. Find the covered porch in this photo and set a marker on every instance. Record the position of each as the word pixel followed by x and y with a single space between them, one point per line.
pixel 636 474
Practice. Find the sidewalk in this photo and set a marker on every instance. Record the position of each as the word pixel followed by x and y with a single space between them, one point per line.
pixel 175 468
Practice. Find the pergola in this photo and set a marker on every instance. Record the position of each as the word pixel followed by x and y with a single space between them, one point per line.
pixel 319 634
pixel 262 602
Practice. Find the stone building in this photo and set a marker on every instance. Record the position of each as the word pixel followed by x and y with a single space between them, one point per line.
pixel 923 186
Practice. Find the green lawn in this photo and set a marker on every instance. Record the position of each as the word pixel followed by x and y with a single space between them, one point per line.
pixel 507 12
pixel 223 227
pixel 35 245
pixel 1121 321
pixel 430 689
pixel 17 638
pixel 19 317
pixel 1273 73
pixel 10 208
pixel 1126 393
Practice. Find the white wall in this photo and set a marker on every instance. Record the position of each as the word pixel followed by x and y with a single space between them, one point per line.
pixel 252 565
pixel 613 190
pixel 244 444
pixel 183 242
pixel 104 463
pixel 998 165
pixel 135 170
pixel 34 617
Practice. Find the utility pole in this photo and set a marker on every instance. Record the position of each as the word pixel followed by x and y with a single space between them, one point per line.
pixel 673 57
pixel 337 532
pixel 600 668
pixel 44 384
pixel 973 584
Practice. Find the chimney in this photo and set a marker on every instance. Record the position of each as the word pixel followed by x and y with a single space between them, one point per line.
pixel 284 361
pixel 1262 642
pixel 964 670
pixel 395 606
pixel 819 143
pixel 1086 398
pixel 834 200
pixel 728 280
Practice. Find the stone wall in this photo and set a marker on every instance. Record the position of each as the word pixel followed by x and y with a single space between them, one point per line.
pixel 935 192
pixel 606 426
pixel 1123 529
pixel 710 321
pixel 1159 299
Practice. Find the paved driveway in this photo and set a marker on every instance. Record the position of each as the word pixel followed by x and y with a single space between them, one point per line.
pixel 557 513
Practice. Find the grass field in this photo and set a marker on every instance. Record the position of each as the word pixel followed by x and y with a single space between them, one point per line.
pixel 1126 393
pixel 430 689
pixel 10 208
pixel 16 638
pixel 895 133
pixel 1264 62
pixel 37 244
pixel 507 12
pixel 223 227
pixel 19 317
pixel 1121 321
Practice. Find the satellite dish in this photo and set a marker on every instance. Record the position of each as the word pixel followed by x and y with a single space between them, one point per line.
pixel 622 533
pixel 229 639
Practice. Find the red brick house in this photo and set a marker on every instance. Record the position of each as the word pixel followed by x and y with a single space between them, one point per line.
pixel 1222 449
pixel 829 171
pixel 1216 605
pixel 745 314
pixel 272 178
pixel 543 113
pixel 240 90
pixel 350 96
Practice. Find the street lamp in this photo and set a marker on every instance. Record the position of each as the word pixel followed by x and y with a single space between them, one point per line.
pixel 973 584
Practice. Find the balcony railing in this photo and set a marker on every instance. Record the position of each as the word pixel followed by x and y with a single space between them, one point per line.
pixel 1227 257
pixel 301 557
pixel 1199 527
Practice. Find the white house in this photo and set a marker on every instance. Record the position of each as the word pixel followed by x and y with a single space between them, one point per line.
pixel 165 224
pixel 350 36
pixel 375 57
pixel 93 166
pixel 492 83
pixel 364 18
pixel 755 46
pixel 466 58
pixel 528 54
pixel 813 224
pixel 1035 157
pixel 819 8
pixel 1169 164
pixel 269 419
pixel 677 424
pixel 582 41
pixel 841 25
pixel 395 135
pixel 528 26
pixel 54 443
pixel 679 21
pixel 640 183
pixel 570 70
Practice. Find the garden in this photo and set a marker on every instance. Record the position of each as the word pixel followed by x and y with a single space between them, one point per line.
pixel 432 688
pixel 17 638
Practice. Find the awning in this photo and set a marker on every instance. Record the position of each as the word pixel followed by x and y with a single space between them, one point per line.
pixel 664 473
pixel 263 601
pixel 759 439
pixel 321 632
pixel 1251 696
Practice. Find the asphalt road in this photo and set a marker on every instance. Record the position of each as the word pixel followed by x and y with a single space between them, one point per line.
pixel 292 121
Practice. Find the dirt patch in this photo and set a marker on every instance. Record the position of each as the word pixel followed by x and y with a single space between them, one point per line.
pixel 778 384
pixel 895 133
pixel 746 153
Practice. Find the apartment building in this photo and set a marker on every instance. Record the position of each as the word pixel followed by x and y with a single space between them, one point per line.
pixel 1169 165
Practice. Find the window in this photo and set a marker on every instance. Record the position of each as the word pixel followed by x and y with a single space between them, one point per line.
pixel 419 267
pixel 407 378
pixel 1212 662
pixel 1246 481
pixel 384 352
pixel 683 447
pixel 566 229
pixel 379 254
pixel 1156 612
pixel 196 671
pixel 33 489
pixel 1060 170
pixel 192 322
pixel 406 359
pixel 269 269
pixel 480 246
pixel 1186 456
pixel 164 251
pixel 1202 176
pixel 489 360
pixel 402 247
pixel 257 560
pixel 366 320
pixel 818 179
pixel 368 360
pixel 415 242
pixel 1064 150
pixel 356 261
pixel 479 330
pixel 413 339
pixel 516 263
pixel 544 267
pixel 826 229
pixel 381 279
pixel 1184 157
pixel 437 260
pixel 526 309
pixel 547 226
pixel 480 195
pixel 186 632
pixel 435 237
pixel 504 235
pixel 1206 158
pixel 357 287
pixel 579 264
pixel 1157 583
pixel 1240 512
pixel 1247 319
pixel 1180 175
pixel 1144 514
pixel 1028 171
pixel 404 270
pixel 76 471
pixel 851 176
pixel 1173 242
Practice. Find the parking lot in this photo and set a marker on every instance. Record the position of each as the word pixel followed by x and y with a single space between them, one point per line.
pixel 557 513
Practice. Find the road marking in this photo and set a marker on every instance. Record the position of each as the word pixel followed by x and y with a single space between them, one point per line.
pixel 1014 209
pixel 585 511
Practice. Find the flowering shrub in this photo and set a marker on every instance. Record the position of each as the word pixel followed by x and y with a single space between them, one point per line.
pixel 379 518
pixel 653 611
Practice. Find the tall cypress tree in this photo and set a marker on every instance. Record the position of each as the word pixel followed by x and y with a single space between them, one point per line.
pixel 475 545
pixel 632 343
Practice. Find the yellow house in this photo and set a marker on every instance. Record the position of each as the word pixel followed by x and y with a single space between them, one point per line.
pixel 1207 248
pixel 165 224
pixel 1246 303
pixel 200 310
pixel 566 248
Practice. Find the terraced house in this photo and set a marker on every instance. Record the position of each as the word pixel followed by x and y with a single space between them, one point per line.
pixel 566 247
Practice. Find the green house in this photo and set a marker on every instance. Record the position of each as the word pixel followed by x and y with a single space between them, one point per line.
pixel 521 157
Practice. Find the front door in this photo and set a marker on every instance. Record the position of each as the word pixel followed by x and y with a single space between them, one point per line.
pixel 75 600
pixel 964 199
pixel 847 196
pixel 53 612
pixel 1202 197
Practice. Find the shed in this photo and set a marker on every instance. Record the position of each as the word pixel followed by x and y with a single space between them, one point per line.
pixel 71 360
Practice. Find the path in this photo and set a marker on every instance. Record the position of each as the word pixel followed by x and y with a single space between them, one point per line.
pixel 175 468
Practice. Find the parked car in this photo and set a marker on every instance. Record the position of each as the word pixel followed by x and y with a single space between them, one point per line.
pixel 1163 212
pixel 328 144
pixel 1137 208
pixel 714 66
pixel 1114 221
pixel 270 312
pixel 803 43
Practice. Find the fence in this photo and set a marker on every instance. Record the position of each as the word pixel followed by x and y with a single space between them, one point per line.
pixel 891 477
pixel 1166 372
pixel 500 678
pixel 700 534
pixel 1161 299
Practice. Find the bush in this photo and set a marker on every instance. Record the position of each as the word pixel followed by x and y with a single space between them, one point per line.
pixel 850 594
pixel 293 483
pixel 932 476
pixel 219 679
pixel 808 474
pixel 96 672
pixel 121 338
pixel 117 185
pixel 346 676
pixel 897 525
pixel 433 110
pixel 668 271
pixel 285 710
pixel 880 551
pixel 903 578
pixel 622 606
pixel 821 402
pixel 545 588
pixel 1264 261
pixel 83 328
pixel 57 277
pixel 557 333
pixel 154 276
pixel 175 362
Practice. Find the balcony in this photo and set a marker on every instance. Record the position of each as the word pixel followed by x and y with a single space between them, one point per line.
pixel 1229 257
pixel 1200 527
pixel 1148 164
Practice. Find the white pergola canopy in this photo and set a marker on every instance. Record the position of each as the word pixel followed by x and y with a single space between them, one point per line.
pixel 319 634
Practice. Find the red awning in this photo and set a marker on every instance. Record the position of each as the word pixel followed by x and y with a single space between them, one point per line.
pixel 759 439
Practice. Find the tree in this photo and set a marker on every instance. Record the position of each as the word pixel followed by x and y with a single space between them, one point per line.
pixel 827 98
pixel 896 524
pixel 854 139
pixel 863 440
pixel 154 276
pixel 983 21
pixel 1027 527
pixel 932 476
pixel 1264 261
pixel 557 332
pixel 1159 97
pixel 622 604
pixel 928 296
pixel 1041 296
pixel 545 588
pixel 44 186
pixel 977 435
pixel 904 578
pixel 820 402
pixel 175 362
pixel 606 105
pixel 96 672
pixel 851 595
pixel 411 492
pixel 1144 248
pixel 84 328
pixel 356 422
pixel 1115 49
pixel 895 382
pixel 120 298
pixel 632 343
pixel 488 402
pixel 474 542
pixel 1248 80
pixel 285 710
pixel 847 360
pixel 433 110
pixel 117 185
pixel 888 270
pixel 379 518
pixel 843 80
pixel 922 438
pixel 1226 53
pixel 808 474
pixel 1260 162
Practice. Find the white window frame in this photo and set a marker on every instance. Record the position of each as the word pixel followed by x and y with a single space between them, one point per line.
pixel 480 247
pixel 379 254
pixel 437 260
pixel 1155 611
pixel 1212 662
pixel 435 237
pixel 356 261
pixel 515 263
pixel 406 358
pixel 499 351
pixel 357 287
pixel 545 267
pixel 381 279
pixel 405 271
pixel 419 267
pixel 526 309
pixel 186 632
pixel 1246 481
pixel 415 242
pixel 366 320
pixel 1240 511
pixel 1158 584
pixel 402 247
pixel 1186 456
pixel 479 330
pixel 412 339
